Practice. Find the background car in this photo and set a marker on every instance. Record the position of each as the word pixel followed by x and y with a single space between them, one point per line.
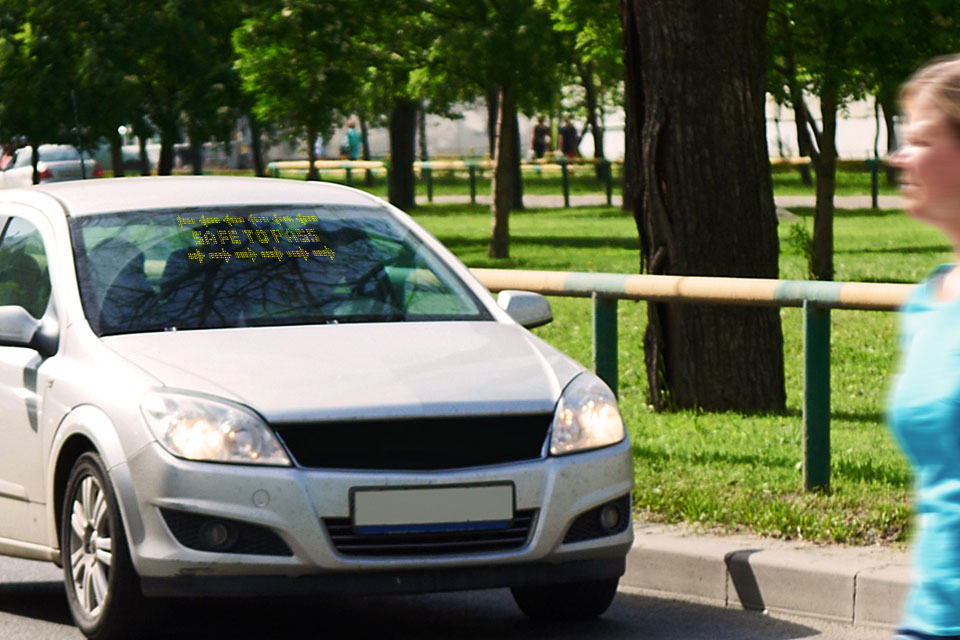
pixel 239 386
pixel 57 162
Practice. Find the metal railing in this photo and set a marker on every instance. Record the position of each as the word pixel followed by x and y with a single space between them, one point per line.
pixel 474 168
pixel 815 298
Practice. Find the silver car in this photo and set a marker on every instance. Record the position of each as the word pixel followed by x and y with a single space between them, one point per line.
pixel 240 386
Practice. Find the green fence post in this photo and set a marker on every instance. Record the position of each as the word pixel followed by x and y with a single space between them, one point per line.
pixel 349 178
pixel 566 182
pixel 605 339
pixel 874 164
pixel 816 397
pixel 428 175
pixel 473 184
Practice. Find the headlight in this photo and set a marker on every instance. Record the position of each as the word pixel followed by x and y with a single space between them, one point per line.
pixel 587 417
pixel 200 428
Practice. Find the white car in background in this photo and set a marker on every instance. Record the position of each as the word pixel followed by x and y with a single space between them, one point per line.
pixel 221 386
pixel 57 162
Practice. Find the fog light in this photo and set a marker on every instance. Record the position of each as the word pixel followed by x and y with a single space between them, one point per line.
pixel 217 535
pixel 609 517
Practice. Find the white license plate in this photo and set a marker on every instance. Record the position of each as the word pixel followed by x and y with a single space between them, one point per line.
pixel 432 509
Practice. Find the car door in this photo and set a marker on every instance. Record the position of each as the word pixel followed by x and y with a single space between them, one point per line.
pixel 24 281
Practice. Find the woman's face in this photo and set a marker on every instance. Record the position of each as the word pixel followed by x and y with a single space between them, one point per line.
pixel 929 163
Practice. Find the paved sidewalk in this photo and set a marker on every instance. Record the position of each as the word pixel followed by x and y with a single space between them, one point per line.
pixel 861 586
pixel 599 200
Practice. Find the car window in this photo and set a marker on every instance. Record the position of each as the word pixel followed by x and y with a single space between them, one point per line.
pixel 23 157
pixel 59 154
pixel 24 275
pixel 259 266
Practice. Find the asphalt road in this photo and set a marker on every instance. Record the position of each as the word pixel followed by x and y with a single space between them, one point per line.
pixel 33 607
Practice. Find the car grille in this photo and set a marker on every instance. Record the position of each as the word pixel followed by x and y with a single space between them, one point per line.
pixel 347 542
pixel 417 444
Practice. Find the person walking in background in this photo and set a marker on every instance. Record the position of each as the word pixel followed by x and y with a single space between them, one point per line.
pixel 924 407
pixel 354 140
pixel 569 139
pixel 540 138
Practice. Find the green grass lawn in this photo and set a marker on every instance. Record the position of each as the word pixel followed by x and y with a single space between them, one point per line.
pixel 848 183
pixel 726 470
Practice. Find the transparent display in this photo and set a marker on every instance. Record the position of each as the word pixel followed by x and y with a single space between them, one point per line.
pixel 259 266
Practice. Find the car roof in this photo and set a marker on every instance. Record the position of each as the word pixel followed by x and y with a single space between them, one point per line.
pixel 86 197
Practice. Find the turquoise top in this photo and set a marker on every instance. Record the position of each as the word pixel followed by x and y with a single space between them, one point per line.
pixel 354 139
pixel 924 415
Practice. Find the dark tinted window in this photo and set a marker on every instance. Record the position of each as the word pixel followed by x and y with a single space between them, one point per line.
pixel 24 277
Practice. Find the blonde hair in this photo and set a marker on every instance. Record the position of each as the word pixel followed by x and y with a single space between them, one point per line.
pixel 939 79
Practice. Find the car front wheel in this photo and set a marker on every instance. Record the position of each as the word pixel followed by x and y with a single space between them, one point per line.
pixel 570 601
pixel 103 589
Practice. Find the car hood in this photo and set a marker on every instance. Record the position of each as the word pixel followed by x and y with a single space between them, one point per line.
pixel 303 373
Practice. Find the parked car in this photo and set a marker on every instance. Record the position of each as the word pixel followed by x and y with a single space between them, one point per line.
pixel 219 386
pixel 57 162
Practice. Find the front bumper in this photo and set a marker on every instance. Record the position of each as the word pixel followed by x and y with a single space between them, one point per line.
pixel 293 503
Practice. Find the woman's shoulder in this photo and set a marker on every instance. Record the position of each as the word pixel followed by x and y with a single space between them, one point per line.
pixel 925 293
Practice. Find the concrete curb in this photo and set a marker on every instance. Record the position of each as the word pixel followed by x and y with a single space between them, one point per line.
pixel 861 586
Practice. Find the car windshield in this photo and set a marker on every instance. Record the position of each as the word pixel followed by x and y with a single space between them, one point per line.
pixel 164 270
pixel 59 154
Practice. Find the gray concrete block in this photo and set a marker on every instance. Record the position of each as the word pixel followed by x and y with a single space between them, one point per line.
pixel 881 592
pixel 679 566
pixel 800 584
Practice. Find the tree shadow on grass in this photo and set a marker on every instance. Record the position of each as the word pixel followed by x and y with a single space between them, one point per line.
pixel 588 242
pixel 807 212
pixel 714 457
pixel 933 248
pixel 457 242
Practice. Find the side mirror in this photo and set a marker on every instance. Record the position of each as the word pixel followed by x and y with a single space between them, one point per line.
pixel 527 308
pixel 19 329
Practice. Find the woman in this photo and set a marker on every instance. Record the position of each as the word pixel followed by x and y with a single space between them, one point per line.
pixel 924 407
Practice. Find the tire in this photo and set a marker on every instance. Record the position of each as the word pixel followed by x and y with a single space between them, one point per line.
pixel 103 589
pixel 569 601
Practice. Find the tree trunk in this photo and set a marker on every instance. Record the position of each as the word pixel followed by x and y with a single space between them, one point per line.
pixel 889 106
pixel 144 156
pixel 196 155
pixel 116 154
pixel 633 106
pixel 593 122
pixel 805 147
pixel 165 163
pixel 365 143
pixel 517 159
pixel 705 203
pixel 505 162
pixel 256 146
pixel 493 110
pixel 403 130
pixel 312 133
pixel 35 162
pixel 826 165
pixel 422 128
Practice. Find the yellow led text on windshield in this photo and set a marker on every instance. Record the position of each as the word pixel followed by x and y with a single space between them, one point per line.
pixel 279 236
